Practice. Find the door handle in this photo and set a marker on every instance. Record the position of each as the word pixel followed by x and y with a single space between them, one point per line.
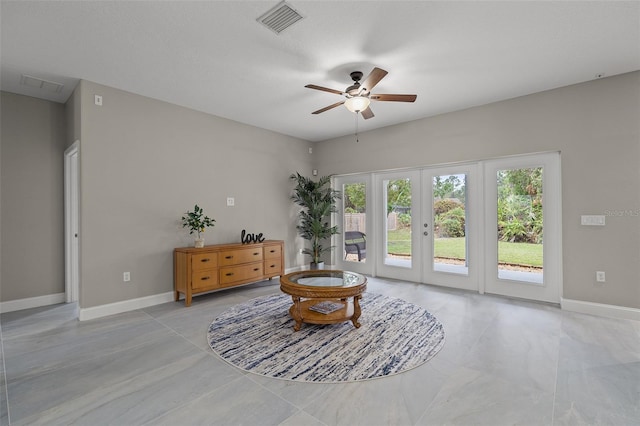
pixel 425 233
pixel 426 225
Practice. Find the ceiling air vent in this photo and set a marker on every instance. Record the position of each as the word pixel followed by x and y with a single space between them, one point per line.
pixel 38 83
pixel 281 17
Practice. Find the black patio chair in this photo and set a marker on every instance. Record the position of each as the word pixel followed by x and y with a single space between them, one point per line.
pixel 355 242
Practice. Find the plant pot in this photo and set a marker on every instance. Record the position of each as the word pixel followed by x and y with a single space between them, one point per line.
pixel 314 266
pixel 199 242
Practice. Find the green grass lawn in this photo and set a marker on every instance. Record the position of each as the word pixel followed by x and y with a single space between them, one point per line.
pixel 399 242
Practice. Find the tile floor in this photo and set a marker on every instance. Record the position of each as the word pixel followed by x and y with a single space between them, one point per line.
pixel 505 362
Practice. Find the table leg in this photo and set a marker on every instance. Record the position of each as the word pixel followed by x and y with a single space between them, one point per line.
pixel 356 311
pixel 296 313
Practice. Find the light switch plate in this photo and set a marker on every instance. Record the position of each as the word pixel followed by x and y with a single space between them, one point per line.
pixel 231 201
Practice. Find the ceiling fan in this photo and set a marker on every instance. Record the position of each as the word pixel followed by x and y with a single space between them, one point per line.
pixel 359 95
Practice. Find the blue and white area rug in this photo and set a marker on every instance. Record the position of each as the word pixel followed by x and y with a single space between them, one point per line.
pixel 395 336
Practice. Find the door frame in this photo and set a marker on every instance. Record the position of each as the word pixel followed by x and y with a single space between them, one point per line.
pixel 72 221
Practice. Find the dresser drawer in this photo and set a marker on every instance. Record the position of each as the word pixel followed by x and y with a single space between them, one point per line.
pixel 273 252
pixel 204 280
pixel 272 267
pixel 237 257
pixel 231 274
pixel 202 261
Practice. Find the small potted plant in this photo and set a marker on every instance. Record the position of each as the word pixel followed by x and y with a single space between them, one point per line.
pixel 197 222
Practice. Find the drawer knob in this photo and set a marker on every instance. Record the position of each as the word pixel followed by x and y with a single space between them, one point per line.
pixel 205 278
pixel 272 251
pixel 256 269
pixel 205 260
pixel 256 254
pixel 229 274
pixel 272 266
pixel 229 257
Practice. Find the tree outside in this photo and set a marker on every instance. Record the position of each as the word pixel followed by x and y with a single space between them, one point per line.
pixel 449 216
pixel 355 198
pixel 520 206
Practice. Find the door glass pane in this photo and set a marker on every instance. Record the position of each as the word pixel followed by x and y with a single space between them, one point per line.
pixel 354 197
pixel 520 225
pixel 398 233
pixel 449 224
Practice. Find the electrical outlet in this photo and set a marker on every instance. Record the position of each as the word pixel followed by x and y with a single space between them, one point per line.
pixel 600 276
pixel 231 201
pixel 98 100
pixel 126 277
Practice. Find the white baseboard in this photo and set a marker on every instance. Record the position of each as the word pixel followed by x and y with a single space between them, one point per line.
pixel 124 306
pixel 32 302
pixel 600 309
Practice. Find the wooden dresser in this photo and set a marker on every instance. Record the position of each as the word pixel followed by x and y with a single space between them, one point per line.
pixel 200 270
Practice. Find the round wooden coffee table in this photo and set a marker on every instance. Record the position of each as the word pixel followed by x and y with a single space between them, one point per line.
pixel 323 296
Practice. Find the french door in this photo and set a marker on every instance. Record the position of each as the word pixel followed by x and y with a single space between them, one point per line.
pixel 450 231
pixel 398 221
pixel 355 242
pixel 489 226
pixel 523 227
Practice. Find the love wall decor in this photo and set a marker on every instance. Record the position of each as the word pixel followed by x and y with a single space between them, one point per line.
pixel 250 238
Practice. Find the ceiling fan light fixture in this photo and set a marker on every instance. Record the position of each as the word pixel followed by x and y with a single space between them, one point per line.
pixel 357 103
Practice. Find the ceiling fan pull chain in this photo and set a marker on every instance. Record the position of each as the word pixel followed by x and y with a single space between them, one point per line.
pixel 357 113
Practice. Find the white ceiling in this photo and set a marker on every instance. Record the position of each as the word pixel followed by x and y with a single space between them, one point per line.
pixel 213 56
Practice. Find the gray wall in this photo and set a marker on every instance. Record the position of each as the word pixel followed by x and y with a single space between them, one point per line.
pixel 144 163
pixel 74 123
pixel 595 125
pixel 32 217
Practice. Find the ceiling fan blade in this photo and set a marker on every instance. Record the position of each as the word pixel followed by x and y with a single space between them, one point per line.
pixel 394 98
pixel 366 113
pixel 324 89
pixel 372 79
pixel 328 107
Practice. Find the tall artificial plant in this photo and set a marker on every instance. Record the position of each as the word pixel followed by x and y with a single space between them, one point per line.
pixel 318 201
